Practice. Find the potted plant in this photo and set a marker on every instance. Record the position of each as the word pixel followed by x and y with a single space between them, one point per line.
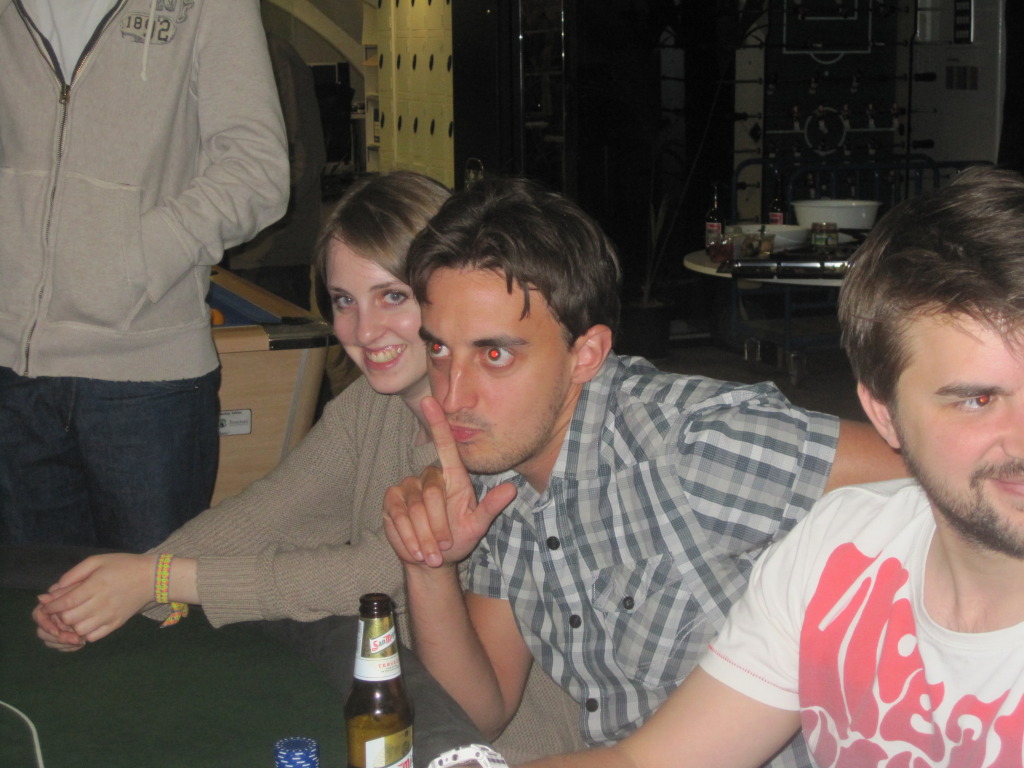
pixel 646 319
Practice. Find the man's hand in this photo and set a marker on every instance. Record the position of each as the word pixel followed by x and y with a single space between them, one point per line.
pixel 94 598
pixel 435 518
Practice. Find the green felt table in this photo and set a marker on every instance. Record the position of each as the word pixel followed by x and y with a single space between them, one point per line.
pixel 146 697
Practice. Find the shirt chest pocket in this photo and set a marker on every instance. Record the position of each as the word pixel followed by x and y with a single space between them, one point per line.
pixel 655 625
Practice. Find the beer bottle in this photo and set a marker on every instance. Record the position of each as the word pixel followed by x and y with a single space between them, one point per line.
pixel 712 221
pixel 378 715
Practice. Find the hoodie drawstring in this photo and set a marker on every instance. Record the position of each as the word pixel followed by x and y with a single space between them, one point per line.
pixel 149 38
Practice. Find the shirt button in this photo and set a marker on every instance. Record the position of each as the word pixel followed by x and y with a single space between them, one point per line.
pixel 628 603
pixel 591 705
pixel 575 621
pixel 553 542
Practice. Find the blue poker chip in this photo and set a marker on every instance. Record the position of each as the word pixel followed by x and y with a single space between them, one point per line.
pixel 296 752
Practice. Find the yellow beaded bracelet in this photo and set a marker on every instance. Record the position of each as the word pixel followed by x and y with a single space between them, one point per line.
pixel 163 580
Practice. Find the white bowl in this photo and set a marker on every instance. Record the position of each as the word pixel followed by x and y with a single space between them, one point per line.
pixel 786 235
pixel 847 214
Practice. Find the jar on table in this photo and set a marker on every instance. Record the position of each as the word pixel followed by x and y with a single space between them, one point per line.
pixel 720 247
pixel 824 235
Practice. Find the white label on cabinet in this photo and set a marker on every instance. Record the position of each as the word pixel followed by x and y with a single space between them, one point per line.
pixel 236 422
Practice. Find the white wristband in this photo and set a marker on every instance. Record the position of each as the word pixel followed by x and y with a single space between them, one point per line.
pixel 473 754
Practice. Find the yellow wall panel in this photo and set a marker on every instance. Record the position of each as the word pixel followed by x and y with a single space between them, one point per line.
pixel 385 70
pixel 417 14
pixel 433 67
pixel 400 15
pixel 424 74
pixel 403 68
pixel 415 88
pixel 417 130
pixel 402 123
pixel 436 142
pixel 385 17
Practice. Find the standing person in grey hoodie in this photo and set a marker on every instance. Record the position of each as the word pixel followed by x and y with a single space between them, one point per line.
pixel 138 140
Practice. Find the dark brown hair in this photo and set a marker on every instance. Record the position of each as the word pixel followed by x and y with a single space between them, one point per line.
pixel 537 239
pixel 957 251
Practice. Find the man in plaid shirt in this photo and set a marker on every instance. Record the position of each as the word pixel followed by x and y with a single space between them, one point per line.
pixel 635 501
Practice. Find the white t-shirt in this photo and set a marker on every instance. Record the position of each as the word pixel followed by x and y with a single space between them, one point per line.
pixel 833 624
pixel 68 25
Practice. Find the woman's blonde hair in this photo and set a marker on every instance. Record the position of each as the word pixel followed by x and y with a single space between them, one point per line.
pixel 378 217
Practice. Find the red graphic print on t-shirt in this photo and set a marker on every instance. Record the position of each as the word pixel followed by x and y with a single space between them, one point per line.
pixel 864 697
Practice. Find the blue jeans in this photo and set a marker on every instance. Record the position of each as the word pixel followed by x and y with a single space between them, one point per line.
pixel 104 463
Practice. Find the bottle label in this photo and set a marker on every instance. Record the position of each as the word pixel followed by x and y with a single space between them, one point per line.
pixel 712 229
pixel 391 751
pixel 377 644
pixel 378 657
pixel 776 217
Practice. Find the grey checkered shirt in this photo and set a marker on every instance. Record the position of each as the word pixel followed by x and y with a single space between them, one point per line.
pixel 666 489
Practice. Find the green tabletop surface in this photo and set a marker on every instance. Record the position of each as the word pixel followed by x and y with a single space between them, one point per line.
pixel 147 697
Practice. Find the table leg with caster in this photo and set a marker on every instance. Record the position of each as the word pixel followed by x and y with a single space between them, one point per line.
pixel 796 366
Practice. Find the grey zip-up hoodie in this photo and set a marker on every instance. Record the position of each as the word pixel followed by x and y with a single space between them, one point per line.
pixel 123 181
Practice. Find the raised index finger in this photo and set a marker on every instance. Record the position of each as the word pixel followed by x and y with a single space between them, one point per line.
pixel 444 441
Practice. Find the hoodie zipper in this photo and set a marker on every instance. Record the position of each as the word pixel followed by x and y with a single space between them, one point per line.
pixel 46 49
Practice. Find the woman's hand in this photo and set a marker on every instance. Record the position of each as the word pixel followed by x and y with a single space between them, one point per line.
pixel 52 631
pixel 94 598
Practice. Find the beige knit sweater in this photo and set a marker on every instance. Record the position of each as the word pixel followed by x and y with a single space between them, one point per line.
pixel 308 539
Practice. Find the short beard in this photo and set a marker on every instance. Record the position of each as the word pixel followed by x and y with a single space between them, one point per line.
pixel 513 456
pixel 971 515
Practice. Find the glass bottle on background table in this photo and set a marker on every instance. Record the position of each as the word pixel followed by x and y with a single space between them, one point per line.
pixel 378 714
pixel 777 209
pixel 712 222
